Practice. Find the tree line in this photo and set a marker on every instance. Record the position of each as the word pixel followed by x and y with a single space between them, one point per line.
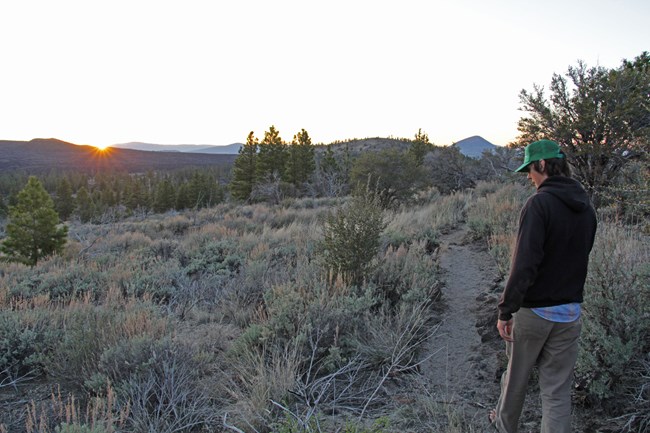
pixel 265 166
pixel 96 197
pixel 600 117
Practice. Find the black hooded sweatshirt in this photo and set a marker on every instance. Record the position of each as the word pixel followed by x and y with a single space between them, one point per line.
pixel 557 226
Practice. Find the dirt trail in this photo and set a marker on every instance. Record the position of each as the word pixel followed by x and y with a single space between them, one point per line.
pixel 463 369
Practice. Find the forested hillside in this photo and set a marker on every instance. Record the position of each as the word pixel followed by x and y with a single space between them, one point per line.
pixel 43 155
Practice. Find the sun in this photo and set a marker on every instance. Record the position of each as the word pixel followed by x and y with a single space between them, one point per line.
pixel 102 147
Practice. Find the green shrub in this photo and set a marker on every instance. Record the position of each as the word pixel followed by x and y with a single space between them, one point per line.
pixel 216 257
pixel 146 276
pixel 351 238
pixel 73 280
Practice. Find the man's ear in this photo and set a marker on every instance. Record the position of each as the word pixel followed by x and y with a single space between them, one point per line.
pixel 542 165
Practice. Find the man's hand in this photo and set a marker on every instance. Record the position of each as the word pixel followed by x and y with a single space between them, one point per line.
pixel 505 329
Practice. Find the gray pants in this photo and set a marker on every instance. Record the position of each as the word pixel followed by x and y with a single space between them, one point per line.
pixel 554 348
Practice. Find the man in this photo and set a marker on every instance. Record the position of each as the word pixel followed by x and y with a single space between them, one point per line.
pixel 539 310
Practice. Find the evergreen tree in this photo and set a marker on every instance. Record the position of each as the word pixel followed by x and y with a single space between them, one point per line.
pixel 243 173
pixel 328 163
pixel 165 197
pixel 64 201
pixel 213 190
pixel 331 180
pixel 137 194
pixel 85 206
pixel 98 205
pixel 3 208
pixel 272 157
pixel 200 190
pixel 394 173
pixel 600 118
pixel 351 238
pixel 182 200
pixel 33 231
pixel 420 147
pixel 300 160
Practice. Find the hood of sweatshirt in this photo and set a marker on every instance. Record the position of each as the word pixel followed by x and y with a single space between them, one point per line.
pixel 569 191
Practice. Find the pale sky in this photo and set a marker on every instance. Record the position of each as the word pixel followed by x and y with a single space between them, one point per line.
pixel 208 72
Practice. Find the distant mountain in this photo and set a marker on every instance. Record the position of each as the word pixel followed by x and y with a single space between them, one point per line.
pixel 231 149
pixel 46 154
pixel 474 146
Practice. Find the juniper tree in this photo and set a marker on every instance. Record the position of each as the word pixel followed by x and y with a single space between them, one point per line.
pixel 33 230
pixel 395 174
pixel 351 238
pixel 600 117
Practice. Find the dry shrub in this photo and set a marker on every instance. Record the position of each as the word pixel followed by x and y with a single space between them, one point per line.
pixel 167 396
pixel 407 273
pixel 178 225
pixel 70 415
pixel 91 330
pixel 451 209
pixel 127 242
pixel 500 246
pixel 393 341
pixel 26 338
pixel 497 213
pixel 262 376
pixel 615 342
pixel 428 220
pixel 493 218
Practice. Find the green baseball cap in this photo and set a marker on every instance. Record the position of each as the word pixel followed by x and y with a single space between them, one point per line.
pixel 537 150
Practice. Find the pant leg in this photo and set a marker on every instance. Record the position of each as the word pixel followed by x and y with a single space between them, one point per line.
pixel 530 333
pixel 556 364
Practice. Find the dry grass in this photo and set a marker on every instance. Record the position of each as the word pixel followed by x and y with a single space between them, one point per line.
pixel 272 342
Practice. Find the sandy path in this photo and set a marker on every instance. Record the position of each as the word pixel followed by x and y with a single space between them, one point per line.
pixel 462 371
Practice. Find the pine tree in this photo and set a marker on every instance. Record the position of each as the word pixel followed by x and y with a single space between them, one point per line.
pixel 328 163
pixel 420 147
pixel 3 208
pixel 182 201
pixel 85 206
pixel 272 157
pixel 33 230
pixel 164 196
pixel 244 170
pixel 64 200
pixel 300 160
